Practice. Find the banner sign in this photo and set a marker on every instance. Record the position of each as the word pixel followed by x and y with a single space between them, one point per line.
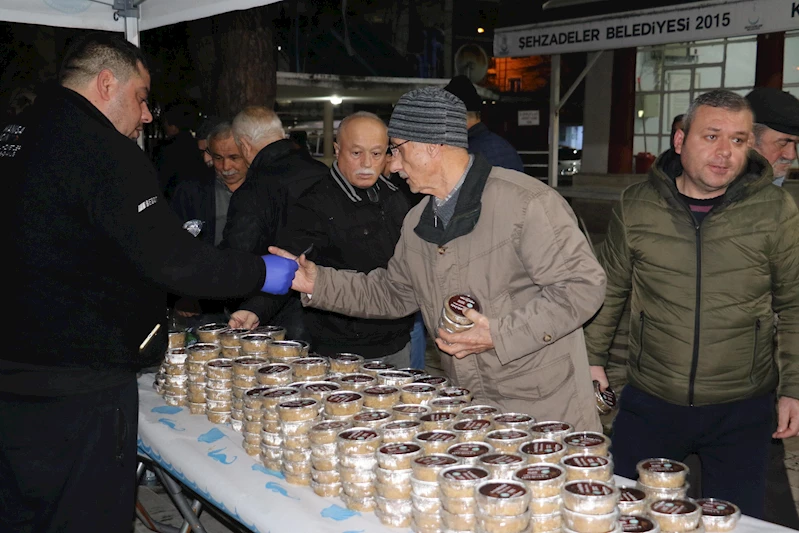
pixel 687 22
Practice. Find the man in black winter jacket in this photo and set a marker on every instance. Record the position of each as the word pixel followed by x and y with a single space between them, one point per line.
pixel 353 220
pixel 279 173
pixel 95 248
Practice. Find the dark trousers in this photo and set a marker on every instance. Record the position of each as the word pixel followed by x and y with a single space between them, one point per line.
pixel 732 441
pixel 68 464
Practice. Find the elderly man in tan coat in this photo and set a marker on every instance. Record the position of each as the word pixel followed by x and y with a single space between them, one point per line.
pixel 498 235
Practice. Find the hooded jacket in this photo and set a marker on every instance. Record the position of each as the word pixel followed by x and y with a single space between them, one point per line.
pixel 704 295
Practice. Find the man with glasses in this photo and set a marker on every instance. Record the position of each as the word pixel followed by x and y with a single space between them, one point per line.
pixel 353 220
pixel 511 243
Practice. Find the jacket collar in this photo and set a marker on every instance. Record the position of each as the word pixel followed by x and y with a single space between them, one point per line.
pixel 56 94
pixel 477 130
pixel 757 174
pixel 467 210
pixel 272 152
pixel 352 192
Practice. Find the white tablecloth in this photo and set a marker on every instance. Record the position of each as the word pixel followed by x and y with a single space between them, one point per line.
pixel 209 458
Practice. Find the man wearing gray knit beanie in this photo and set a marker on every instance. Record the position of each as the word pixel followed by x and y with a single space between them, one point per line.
pixel 499 251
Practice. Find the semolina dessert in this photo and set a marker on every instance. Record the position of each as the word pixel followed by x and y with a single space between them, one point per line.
pixel 590 523
pixel 662 473
pixel 460 481
pixel 469 453
pixel 471 429
pixel 427 467
pixel 518 421
pixel 507 440
pixel 448 405
pixel 410 411
pixel 310 368
pixel 675 515
pixel 344 403
pixel 637 524
pixel 371 419
pixel 356 382
pixel 400 430
pixel 543 479
pixel 417 393
pixel 632 501
pixel 394 378
pixel 587 443
pixel 590 497
pixel 501 465
pixel 437 420
pixel 345 363
pixel 436 441
pixel 587 467
pixel 718 515
pixel 381 396
pixel 551 430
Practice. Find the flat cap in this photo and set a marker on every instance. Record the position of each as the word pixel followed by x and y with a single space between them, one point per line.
pixel 776 109
pixel 462 87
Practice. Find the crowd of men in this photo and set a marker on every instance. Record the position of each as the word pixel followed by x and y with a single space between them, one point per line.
pixel 705 253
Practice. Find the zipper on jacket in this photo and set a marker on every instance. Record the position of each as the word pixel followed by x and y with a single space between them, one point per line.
pixel 754 352
pixel 640 341
pixel 695 356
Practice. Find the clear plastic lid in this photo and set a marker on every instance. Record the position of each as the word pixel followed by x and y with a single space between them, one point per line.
pixel 394 378
pixel 310 366
pixel 675 515
pixel 469 429
pixel 470 452
pixel 400 430
pixel 483 412
pixel 358 440
pixel 637 524
pixel 417 393
pixel 544 479
pixel 586 442
pixel 372 419
pixel 203 351
pixel 270 398
pixel 410 411
pixel 374 367
pixel 664 493
pixel 435 441
pixel 327 431
pixel 579 466
pixel 437 420
pixel 381 396
pixel 590 497
pixel 345 363
pixel 502 497
pixel 439 382
pixel 520 421
pixel 501 465
pixel 277 333
pixel 344 403
pixel 176 356
pixel 232 336
pixel 456 304
pixel 551 430
pixel 719 515
pixel 459 481
pixel 398 455
pixel 507 440
pixel 662 473
pixel 255 342
pixel 448 405
pixel 319 390
pixel 298 410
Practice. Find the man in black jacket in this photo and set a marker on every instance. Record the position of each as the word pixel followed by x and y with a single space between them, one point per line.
pixel 95 247
pixel 353 220
pixel 177 157
pixel 279 173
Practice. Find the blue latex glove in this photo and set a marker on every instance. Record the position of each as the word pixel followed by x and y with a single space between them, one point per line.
pixel 279 274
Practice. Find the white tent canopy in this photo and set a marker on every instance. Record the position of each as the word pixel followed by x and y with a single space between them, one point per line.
pixel 128 16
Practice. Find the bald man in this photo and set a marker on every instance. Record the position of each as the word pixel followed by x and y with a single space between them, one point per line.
pixel 353 220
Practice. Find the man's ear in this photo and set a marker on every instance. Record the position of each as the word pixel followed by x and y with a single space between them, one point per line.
pixel 336 149
pixel 679 138
pixel 433 149
pixel 106 84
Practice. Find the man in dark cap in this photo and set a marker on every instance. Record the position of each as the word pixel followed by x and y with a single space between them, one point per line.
pixel 508 241
pixel 498 151
pixel 776 128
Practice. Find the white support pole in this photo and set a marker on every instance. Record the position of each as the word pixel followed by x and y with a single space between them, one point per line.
pixel 327 124
pixel 554 120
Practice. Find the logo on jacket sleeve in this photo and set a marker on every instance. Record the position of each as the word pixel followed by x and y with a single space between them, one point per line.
pixel 147 203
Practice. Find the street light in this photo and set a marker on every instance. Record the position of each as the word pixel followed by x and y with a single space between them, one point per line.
pixel 335 100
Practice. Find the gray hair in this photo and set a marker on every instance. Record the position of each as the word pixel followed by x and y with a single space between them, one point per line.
pixel 223 130
pixel 759 130
pixel 359 114
pixel 92 53
pixel 718 98
pixel 258 124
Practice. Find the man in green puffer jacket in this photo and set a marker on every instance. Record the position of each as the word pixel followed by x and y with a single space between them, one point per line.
pixel 707 251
